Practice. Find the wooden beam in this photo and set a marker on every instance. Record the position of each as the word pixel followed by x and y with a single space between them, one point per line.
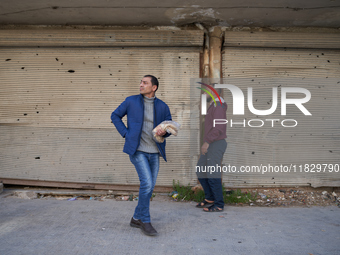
pixel 76 185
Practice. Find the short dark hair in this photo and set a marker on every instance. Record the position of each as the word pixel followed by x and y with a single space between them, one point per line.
pixel 154 80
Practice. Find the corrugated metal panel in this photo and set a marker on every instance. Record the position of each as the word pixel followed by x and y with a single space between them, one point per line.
pixel 316 138
pixel 282 39
pixel 99 37
pixel 55 107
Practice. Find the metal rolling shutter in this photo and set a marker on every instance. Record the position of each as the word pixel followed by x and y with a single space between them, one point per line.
pixel 56 102
pixel 268 59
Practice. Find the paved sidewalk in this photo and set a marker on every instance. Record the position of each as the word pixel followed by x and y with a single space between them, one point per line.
pixel 50 226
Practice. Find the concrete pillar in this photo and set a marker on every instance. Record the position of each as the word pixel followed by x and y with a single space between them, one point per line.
pixel 215 49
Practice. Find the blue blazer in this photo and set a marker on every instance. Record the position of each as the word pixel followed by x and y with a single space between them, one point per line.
pixel 133 107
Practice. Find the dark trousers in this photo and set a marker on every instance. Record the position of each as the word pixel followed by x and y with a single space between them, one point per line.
pixel 209 175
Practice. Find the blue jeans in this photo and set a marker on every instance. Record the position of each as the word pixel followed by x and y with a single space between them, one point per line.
pixel 212 182
pixel 147 166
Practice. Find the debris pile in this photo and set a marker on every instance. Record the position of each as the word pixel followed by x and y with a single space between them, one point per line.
pixel 127 198
pixel 272 197
pixel 295 197
pixel 73 198
pixel 73 195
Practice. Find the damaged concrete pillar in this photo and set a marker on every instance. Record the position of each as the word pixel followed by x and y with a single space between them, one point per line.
pixel 206 66
pixel 215 49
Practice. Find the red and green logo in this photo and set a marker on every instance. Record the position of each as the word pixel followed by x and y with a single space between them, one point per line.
pixel 208 92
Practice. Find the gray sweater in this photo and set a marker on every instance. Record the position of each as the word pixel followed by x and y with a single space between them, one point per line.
pixel 147 144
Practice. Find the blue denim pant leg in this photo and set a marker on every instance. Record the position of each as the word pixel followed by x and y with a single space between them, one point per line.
pixel 147 166
pixel 211 182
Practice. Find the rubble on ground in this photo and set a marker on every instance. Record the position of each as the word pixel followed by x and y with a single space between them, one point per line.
pixel 272 197
pixel 280 197
pixel 25 194
pixel 294 197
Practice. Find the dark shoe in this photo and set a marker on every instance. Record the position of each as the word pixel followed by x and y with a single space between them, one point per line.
pixel 204 204
pixel 213 208
pixel 148 229
pixel 136 223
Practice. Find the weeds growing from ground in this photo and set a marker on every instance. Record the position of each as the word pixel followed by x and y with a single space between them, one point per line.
pixel 185 193
pixel 236 196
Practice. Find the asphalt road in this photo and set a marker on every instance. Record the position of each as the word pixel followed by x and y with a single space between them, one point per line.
pixel 40 226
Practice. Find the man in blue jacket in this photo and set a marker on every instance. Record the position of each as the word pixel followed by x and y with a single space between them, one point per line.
pixel 144 112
